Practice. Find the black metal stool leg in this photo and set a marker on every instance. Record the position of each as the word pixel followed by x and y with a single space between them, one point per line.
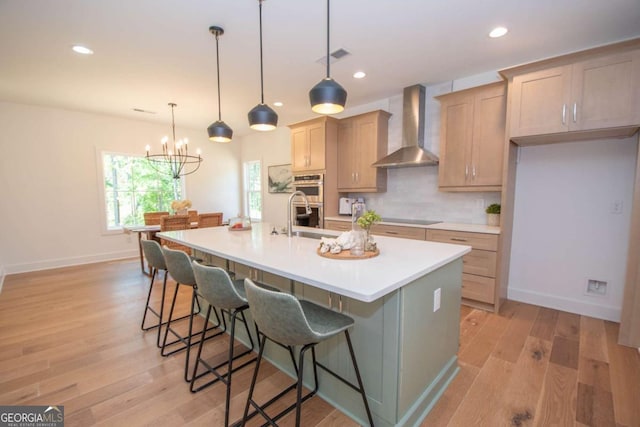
pixel 146 307
pixel 357 371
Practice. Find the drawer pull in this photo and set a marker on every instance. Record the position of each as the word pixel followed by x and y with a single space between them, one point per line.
pixel 458 239
pixel 391 232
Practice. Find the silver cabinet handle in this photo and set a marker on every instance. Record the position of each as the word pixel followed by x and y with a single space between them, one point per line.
pixel 466 171
pixel 473 172
pixel 458 239
pixel 564 114
pixel 391 232
pixel 357 177
pixel 575 111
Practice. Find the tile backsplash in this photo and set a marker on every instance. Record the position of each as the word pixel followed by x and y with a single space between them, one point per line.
pixel 412 193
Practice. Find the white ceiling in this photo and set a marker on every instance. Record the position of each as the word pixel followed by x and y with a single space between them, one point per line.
pixel 151 52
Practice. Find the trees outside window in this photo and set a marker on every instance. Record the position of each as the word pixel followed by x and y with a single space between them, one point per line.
pixel 253 190
pixel 132 187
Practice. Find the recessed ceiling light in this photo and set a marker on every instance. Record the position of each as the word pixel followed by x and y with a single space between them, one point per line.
pixel 82 49
pixel 359 75
pixel 498 32
pixel 278 104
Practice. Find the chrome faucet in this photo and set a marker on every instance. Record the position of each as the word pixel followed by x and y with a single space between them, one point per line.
pixel 306 205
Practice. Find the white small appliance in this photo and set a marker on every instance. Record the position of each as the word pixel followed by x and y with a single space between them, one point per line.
pixel 344 207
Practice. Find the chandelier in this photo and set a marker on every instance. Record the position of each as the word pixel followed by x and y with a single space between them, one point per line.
pixel 176 159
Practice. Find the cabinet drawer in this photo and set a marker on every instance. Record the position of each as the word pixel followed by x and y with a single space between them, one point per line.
pixel 399 231
pixel 478 288
pixel 482 263
pixel 338 225
pixel 487 242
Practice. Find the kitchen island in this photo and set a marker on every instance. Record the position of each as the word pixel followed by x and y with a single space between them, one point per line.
pixel 405 348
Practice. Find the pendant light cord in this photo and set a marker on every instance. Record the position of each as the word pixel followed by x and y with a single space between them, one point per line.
pixel 328 59
pixel 218 69
pixel 173 124
pixel 261 71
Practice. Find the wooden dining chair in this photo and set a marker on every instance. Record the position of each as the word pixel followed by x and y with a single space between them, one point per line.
pixel 171 223
pixel 212 219
pixel 153 218
pixel 193 215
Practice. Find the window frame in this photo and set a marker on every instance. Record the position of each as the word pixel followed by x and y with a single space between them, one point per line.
pixel 102 201
pixel 246 191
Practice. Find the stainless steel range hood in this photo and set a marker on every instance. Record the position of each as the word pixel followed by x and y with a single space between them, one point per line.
pixel 412 152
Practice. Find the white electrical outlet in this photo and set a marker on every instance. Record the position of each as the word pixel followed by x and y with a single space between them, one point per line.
pixel 436 299
pixel 616 207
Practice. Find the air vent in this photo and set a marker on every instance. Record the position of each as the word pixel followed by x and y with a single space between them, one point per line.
pixel 140 110
pixel 335 56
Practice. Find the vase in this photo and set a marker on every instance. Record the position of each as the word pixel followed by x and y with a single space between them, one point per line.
pixel 370 244
pixel 493 219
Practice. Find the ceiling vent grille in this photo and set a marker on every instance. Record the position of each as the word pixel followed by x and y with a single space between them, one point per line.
pixel 335 56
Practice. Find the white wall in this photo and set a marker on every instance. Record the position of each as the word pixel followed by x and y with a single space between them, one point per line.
pixel 564 231
pixel 412 193
pixel 271 148
pixel 51 211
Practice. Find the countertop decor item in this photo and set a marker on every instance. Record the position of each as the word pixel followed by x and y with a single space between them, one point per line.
pixel 262 117
pixel 327 97
pixel 180 207
pixel 493 214
pixel 349 255
pixel 174 160
pixel 365 222
pixel 219 131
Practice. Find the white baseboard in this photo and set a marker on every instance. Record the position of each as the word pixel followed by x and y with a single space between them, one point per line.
pixel 599 311
pixel 68 262
pixel 2 274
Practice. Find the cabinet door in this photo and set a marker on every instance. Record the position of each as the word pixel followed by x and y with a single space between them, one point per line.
pixel 540 102
pixel 365 154
pixel 456 131
pixel 346 153
pixel 605 92
pixel 488 137
pixel 316 135
pixel 299 149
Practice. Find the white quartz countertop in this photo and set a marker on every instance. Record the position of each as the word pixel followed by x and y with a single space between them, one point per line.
pixel 400 260
pixel 451 226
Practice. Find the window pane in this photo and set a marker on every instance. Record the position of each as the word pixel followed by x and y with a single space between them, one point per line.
pixel 132 187
pixel 252 188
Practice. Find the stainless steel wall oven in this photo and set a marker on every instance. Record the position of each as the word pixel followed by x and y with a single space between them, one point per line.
pixel 313 187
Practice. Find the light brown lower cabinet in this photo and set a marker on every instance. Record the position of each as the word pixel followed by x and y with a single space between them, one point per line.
pixel 415 233
pixel 478 266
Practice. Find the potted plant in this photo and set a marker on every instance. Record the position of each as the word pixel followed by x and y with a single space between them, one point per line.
pixel 493 214
pixel 365 222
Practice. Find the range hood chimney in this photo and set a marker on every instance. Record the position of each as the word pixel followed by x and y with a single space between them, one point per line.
pixel 412 152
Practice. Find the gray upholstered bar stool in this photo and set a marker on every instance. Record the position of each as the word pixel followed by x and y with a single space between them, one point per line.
pixel 286 320
pixel 153 253
pixel 179 267
pixel 220 291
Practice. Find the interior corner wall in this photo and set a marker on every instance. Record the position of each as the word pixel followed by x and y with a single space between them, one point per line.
pixel 565 231
pixel 49 183
pixel 271 148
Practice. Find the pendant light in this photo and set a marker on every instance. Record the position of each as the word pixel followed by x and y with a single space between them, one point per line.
pixel 262 117
pixel 327 97
pixel 219 131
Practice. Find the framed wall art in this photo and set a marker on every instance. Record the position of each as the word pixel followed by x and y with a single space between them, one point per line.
pixel 280 179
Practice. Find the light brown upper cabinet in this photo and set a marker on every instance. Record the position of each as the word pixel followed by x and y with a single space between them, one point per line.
pixel 472 138
pixel 597 93
pixel 308 143
pixel 362 140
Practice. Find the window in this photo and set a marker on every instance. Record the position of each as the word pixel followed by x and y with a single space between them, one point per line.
pixel 253 190
pixel 132 187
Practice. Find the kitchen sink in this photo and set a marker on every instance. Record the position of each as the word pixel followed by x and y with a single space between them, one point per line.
pixel 312 235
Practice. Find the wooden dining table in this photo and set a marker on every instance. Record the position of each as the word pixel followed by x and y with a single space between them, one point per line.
pixel 148 231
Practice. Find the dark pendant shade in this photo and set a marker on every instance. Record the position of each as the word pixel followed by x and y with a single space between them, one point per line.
pixel 327 97
pixel 262 117
pixel 220 132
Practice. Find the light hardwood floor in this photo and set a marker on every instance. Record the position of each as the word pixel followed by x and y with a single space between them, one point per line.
pixel 72 337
